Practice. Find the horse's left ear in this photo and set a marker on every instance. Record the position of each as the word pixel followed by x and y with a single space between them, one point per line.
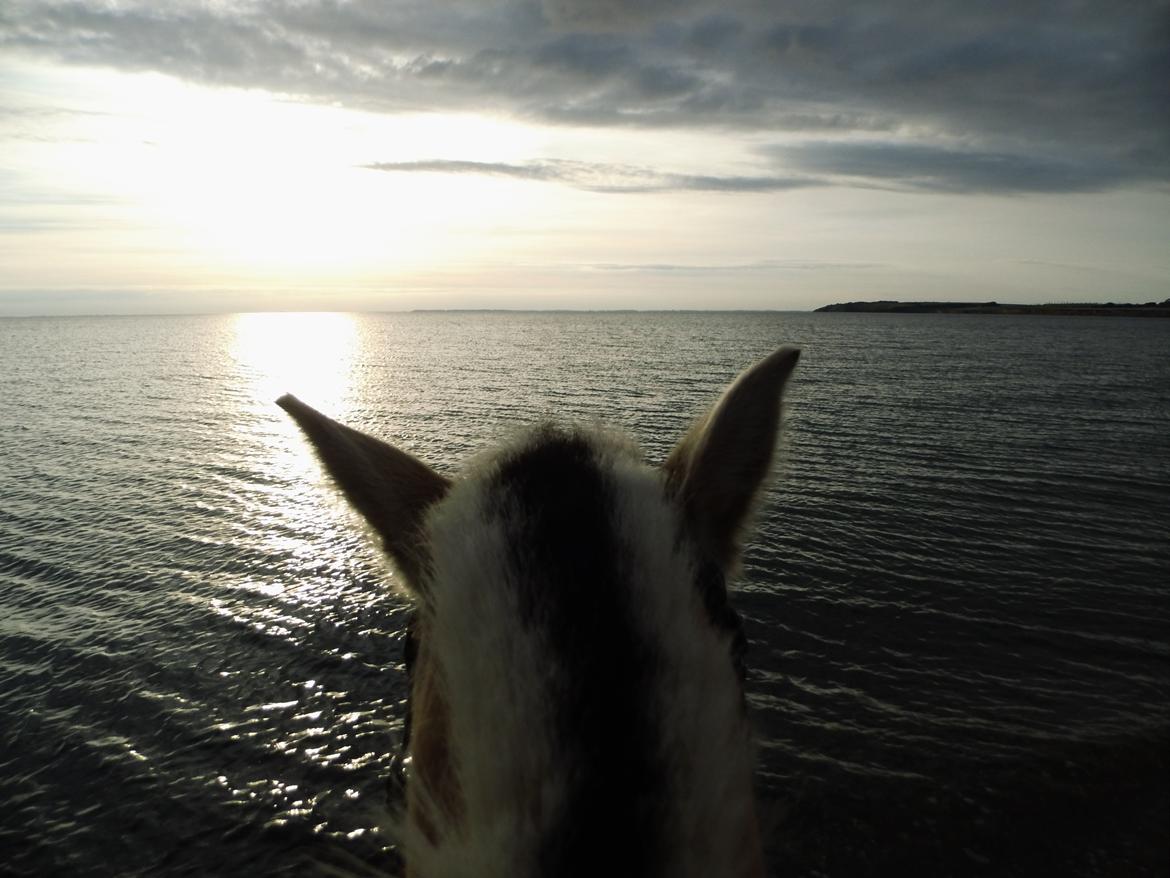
pixel 391 489
pixel 719 465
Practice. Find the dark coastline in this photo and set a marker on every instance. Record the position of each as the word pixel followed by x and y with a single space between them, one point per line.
pixel 1109 309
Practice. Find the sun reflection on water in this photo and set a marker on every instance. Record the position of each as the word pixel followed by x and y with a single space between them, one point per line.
pixel 308 354
pixel 311 355
pixel 305 591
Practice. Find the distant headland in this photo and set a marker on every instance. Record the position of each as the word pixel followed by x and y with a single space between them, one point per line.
pixel 1074 309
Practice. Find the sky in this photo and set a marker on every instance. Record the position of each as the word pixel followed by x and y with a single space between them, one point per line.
pixel 160 156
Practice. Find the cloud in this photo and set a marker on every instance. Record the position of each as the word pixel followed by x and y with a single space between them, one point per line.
pixel 600 177
pixel 609 15
pixel 955 170
pixel 884 164
pixel 1002 96
pixel 767 265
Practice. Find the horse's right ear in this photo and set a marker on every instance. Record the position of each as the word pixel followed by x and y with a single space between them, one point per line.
pixel 719 465
pixel 391 489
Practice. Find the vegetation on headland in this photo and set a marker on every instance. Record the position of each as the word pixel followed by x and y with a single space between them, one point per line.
pixel 1078 309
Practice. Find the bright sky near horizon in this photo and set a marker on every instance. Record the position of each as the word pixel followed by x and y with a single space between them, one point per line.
pixel 160 156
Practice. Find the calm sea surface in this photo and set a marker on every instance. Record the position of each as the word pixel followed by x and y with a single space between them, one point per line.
pixel 957 596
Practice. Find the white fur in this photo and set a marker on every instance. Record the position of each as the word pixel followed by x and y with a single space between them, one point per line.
pixel 495 671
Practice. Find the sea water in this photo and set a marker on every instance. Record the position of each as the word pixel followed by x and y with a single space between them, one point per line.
pixel 957 590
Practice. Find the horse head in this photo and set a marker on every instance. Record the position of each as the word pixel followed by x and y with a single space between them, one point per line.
pixel 577 702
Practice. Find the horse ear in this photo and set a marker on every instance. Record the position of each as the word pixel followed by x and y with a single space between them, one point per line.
pixel 719 465
pixel 391 489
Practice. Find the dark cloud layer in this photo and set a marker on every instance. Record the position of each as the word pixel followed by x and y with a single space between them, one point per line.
pixel 999 96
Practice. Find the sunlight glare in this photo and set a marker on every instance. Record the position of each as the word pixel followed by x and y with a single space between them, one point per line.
pixel 310 355
pixel 264 182
pixel 295 514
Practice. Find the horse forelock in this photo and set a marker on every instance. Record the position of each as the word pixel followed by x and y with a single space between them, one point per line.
pixel 596 717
